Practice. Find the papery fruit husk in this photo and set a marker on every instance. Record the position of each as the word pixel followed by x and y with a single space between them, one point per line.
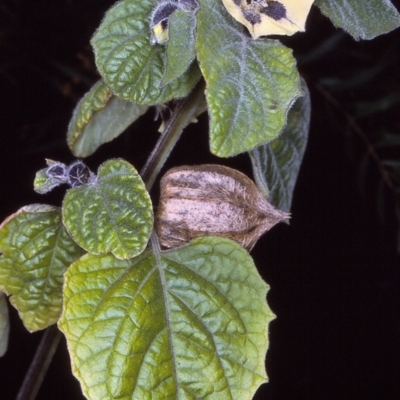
pixel 212 200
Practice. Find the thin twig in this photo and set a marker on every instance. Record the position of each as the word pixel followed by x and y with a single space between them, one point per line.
pixel 184 111
pixel 357 129
pixel 40 364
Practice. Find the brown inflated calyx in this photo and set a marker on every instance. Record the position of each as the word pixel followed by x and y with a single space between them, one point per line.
pixel 213 200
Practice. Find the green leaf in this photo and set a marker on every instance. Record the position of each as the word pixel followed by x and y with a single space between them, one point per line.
pixel 251 84
pixel 99 118
pixel 190 323
pixel 113 214
pixel 276 165
pixel 181 50
pixel 129 64
pixel 36 251
pixel 361 19
pixel 42 183
pixel 4 324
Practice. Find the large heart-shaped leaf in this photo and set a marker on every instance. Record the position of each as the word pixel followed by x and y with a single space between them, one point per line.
pixel 362 19
pixel 113 214
pixel 99 118
pixel 4 324
pixel 276 164
pixel 251 84
pixel 190 323
pixel 130 65
pixel 36 251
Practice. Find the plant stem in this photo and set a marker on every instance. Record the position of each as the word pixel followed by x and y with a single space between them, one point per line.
pixel 184 111
pixel 40 363
pixel 357 129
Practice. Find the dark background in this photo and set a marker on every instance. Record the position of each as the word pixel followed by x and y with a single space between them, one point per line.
pixel 333 272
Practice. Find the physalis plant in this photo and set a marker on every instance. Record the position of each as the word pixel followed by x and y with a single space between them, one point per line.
pixel 185 316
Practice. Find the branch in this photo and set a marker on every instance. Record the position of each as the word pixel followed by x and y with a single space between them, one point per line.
pixel 357 129
pixel 40 364
pixel 185 110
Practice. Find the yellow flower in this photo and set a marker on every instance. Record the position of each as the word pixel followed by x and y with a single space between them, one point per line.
pixel 269 17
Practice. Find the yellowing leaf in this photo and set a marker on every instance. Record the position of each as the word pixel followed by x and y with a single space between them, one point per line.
pixel 35 253
pixel 189 323
pixel 266 17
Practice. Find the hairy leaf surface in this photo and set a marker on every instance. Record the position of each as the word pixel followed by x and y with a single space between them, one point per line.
pixel 99 118
pixel 112 215
pixel 181 50
pixel 362 19
pixel 276 164
pixel 36 251
pixel 251 84
pixel 130 65
pixel 190 323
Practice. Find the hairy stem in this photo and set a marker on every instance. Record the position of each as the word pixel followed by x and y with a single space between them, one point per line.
pixel 185 110
pixel 40 364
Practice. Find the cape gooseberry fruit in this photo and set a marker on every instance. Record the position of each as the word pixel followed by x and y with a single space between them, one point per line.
pixel 212 200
